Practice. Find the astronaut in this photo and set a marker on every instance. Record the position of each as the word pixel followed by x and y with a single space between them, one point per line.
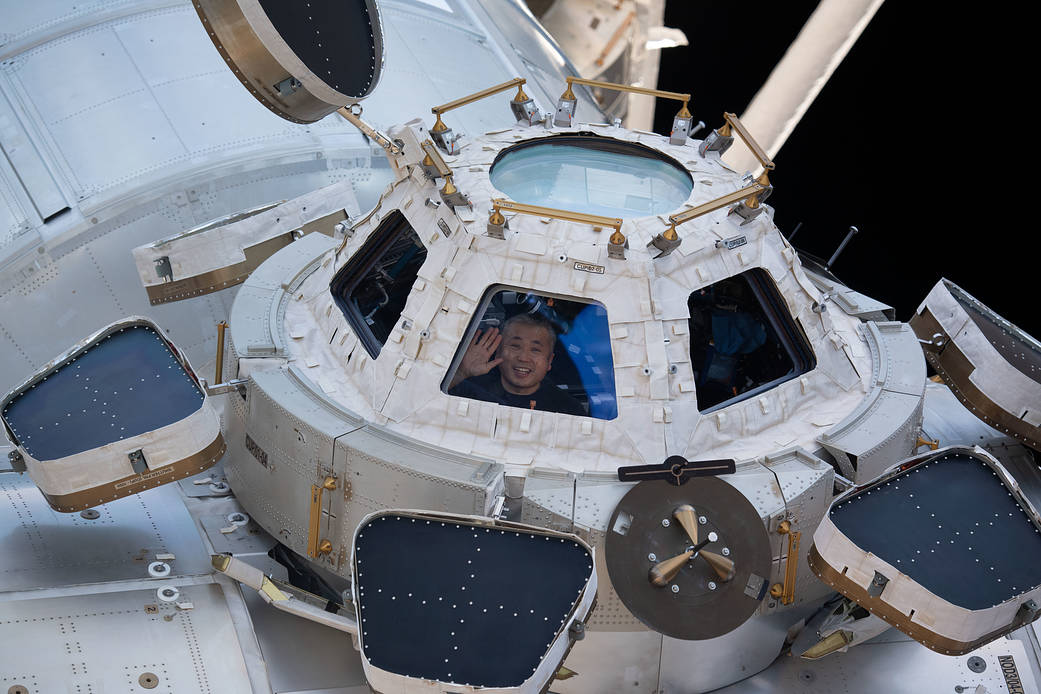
pixel 511 367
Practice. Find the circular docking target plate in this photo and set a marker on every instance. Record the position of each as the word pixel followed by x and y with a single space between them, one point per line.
pixel 303 63
pixel 696 596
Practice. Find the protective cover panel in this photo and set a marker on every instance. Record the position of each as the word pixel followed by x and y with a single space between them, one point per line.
pixel 944 547
pixel 126 384
pixel 119 412
pixel 334 38
pixel 951 526
pixel 453 601
pixel 301 60
pixel 991 365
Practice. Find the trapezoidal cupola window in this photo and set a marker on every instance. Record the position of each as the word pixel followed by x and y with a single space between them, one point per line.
pixel 371 289
pixel 592 174
pixel 537 352
pixel 743 340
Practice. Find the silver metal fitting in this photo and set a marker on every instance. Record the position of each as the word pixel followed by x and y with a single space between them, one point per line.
pixel 715 143
pixel 565 113
pixel 680 130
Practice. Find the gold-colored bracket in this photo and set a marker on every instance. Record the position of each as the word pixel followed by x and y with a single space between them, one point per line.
pixel 314 545
pixel 477 96
pixel 218 374
pixel 677 96
pixel 922 441
pixel 439 128
pixel 713 205
pixel 791 565
pixel 734 122
pixel 433 158
pixel 499 204
pixel 518 82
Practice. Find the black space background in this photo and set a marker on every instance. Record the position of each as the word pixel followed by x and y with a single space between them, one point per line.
pixel 921 139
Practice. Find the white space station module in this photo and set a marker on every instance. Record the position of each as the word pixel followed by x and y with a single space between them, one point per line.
pixel 529 403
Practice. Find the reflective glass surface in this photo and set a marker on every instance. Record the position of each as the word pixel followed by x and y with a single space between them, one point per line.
pixel 743 340
pixel 594 175
pixel 372 288
pixel 537 352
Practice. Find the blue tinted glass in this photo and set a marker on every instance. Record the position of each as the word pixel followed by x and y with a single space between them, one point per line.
pixel 591 179
pixel 576 376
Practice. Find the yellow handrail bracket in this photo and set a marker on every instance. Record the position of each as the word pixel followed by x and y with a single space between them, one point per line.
pixel 596 221
pixel 746 137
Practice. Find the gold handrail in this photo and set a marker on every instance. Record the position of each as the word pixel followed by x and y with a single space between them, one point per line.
pixel 517 82
pixel 786 592
pixel 499 204
pixel 712 205
pixel 219 370
pixel 433 158
pixel 629 88
pixel 677 96
pixel 734 122
pixel 315 546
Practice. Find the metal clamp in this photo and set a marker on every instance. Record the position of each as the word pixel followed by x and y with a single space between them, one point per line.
pixel 352 114
pixel 922 441
pixel 272 594
pixel 16 461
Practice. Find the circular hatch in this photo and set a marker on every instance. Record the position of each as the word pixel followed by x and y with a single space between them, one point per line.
pixel 592 174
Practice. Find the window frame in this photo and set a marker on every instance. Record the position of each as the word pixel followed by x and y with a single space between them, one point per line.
pixel 389 230
pixel 786 327
pixel 490 292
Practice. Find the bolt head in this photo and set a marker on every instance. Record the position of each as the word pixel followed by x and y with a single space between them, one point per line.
pixel 702 520
pixel 726 551
pixel 711 585
pixel 652 557
pixel 665 522
pixel 675 588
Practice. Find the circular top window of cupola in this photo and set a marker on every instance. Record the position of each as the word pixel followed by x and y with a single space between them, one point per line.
pixel 592 174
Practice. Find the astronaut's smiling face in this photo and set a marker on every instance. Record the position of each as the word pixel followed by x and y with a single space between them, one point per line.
pixel 527 355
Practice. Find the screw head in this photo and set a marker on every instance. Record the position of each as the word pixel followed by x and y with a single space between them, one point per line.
pixel 711 585
pixel 652 557
pixel 702 520
pixel 675 588
pixel 665 522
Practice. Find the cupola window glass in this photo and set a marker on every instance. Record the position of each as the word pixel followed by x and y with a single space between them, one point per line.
pixel 596 175
pixel 371 289
pixel 537 352
pixel 743 340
